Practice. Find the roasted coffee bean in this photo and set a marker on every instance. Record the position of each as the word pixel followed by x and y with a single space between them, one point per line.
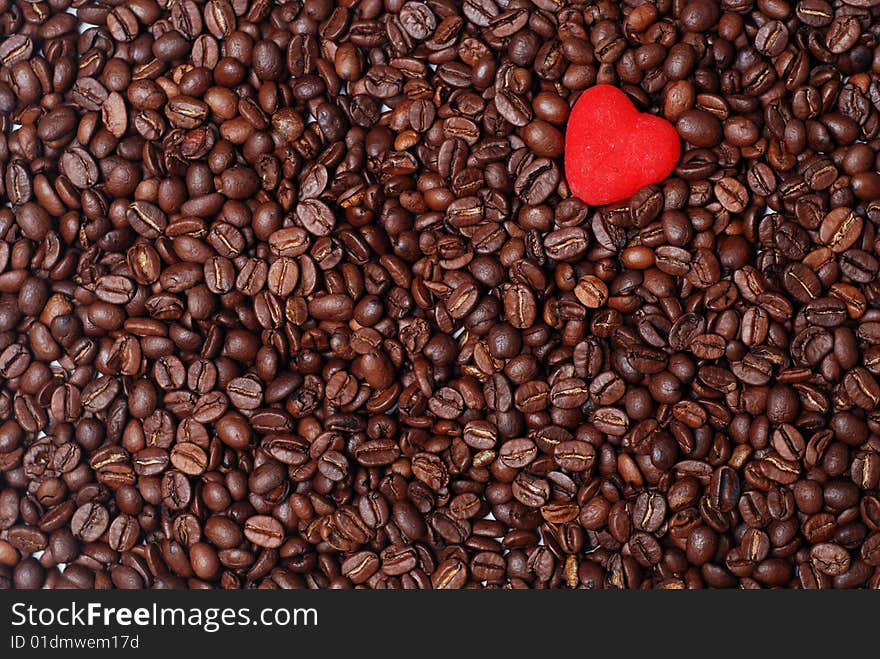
pixel 264 531
pixel 591 292
pixel 89 522
pixel 840 229
pixel 189 458
pixel 123 533
pixel 649 512
pixel 147 219
pixel 830 559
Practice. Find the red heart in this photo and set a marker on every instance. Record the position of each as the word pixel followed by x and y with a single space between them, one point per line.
pixel 612 150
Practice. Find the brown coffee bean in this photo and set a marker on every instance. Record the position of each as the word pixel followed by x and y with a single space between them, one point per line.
pixel 840 229
pixel 264 531
pixel 591 292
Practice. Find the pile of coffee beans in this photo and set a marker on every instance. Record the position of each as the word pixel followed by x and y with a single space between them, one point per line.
pixel 295 295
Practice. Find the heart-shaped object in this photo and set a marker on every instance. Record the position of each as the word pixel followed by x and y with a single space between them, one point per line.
pixel 612 150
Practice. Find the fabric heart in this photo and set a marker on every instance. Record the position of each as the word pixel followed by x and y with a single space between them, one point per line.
pixel 612 150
